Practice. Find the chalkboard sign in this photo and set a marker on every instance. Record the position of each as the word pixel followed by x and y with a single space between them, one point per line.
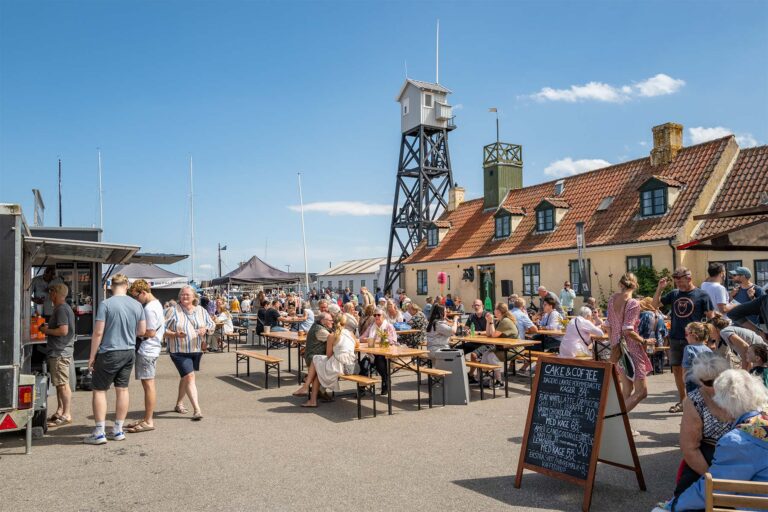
pixel 576 418
pixel 564 418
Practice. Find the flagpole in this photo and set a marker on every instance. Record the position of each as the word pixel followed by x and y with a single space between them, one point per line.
pixel 304 239
pixel 101 196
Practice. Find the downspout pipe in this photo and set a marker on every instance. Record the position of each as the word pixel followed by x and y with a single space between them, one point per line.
pixel 674 254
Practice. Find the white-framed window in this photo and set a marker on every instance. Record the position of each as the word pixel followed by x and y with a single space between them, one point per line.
pixel 428 100
pixel 635 262
pixel 761 272
pixel 405 107
pixel 432 237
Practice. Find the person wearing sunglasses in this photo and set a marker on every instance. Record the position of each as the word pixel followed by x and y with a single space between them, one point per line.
pixel 700 429
pixel 379 327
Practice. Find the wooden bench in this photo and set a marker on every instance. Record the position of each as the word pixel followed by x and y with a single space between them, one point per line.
pixel 227 338
pixel 485 369
pixel 270 363
pixel 434 376
pixel 719 502
pixel 363 383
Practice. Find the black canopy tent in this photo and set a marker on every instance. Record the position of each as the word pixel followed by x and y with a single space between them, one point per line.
pixel 255 271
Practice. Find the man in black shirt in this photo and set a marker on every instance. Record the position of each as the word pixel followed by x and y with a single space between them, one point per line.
pixel 687 304
pixel 476 319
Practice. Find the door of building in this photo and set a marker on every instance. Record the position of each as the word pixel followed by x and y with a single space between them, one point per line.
pixel 487 283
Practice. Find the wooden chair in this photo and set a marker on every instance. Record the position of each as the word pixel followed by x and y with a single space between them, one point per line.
pixel 717 501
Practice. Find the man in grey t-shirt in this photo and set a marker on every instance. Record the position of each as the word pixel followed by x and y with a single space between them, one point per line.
pixel 60 345
pixel 118 321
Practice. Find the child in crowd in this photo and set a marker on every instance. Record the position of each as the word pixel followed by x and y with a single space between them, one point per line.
pixel 696 334
pixel 757 355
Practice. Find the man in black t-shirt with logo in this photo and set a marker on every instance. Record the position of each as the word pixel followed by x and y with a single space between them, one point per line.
pixel 687 304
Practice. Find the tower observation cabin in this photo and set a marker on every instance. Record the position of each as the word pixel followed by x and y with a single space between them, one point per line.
pixel 424 103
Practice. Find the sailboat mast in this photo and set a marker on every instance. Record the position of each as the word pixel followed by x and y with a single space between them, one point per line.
pixel 192 219
pixel 101 196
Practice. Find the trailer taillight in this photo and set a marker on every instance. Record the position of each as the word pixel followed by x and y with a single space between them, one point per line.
pixel 26 394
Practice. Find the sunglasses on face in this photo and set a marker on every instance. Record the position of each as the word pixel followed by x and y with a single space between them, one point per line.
pixel 377 314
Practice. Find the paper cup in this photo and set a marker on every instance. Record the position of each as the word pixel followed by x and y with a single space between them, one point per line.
pixel 267 329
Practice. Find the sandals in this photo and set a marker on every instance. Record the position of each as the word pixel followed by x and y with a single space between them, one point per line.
pixel 59 421
pixel 300 394
pixel 197 416
pixel 139 427
pixel 678 407
pixel 181 409
pixel 311 406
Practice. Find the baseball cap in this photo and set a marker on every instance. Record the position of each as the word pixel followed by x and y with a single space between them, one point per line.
pixel 681 272
pixel 741 271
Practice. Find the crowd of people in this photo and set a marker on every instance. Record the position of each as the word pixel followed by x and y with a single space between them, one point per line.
pixel 712 337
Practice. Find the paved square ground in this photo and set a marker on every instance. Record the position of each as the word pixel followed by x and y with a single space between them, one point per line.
pixel 257 449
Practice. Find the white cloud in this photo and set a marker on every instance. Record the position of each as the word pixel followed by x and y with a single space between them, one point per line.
pixel 354 208
pixel 699 134
pixel 658 85
pixel 569 167
pixel 206 266
pixel 458 106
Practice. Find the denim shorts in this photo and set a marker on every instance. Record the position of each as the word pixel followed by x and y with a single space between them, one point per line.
pixel 145 367
pixel 186 362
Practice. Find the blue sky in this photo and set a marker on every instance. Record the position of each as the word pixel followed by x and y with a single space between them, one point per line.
pixel 258 91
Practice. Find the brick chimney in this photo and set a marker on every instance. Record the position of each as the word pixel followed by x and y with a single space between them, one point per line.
pixel 455 197
pixel 667 141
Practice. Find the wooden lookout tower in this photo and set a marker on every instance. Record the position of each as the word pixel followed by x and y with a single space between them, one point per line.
pixel 424 175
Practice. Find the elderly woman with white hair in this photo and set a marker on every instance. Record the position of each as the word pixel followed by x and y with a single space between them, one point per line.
pixel 379 328
pixel 700 429
pixel 742 453
pixel 577 341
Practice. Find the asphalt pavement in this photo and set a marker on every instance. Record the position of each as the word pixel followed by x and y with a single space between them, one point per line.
pixel 256 449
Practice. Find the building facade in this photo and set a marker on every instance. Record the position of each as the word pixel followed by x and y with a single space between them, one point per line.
pixel 354 275
pixel 636 214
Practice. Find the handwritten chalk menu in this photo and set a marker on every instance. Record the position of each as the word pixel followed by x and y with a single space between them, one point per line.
pixel 576 417
pixel 564 419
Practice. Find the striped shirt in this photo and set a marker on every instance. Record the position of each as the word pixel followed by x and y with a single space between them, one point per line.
pixel 177 319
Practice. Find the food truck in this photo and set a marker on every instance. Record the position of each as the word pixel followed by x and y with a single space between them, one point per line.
pixel 78 256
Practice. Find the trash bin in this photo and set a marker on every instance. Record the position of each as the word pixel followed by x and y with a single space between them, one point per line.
pixel 457 383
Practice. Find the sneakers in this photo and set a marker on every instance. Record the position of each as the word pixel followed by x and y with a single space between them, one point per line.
pixel 498 385
pixel 96 439
pixel 116 436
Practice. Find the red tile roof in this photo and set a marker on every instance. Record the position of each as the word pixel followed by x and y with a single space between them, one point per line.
pixel 744 188
pixel 514 210
pixel 441 223
pixel 672 182
pixel 472 230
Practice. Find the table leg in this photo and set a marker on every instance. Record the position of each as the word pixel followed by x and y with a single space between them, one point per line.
pixel 289 357
pixel 266 340
pixel 418 384
pixel 389 383
pixel 301 360
pixel 506 376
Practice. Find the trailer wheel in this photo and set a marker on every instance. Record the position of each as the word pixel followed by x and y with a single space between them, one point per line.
pixel 40 423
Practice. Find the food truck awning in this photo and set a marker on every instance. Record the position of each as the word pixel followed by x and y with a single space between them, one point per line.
pixel 46 251
pixel 157 258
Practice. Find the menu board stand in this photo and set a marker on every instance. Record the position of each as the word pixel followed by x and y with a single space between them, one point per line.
pixel 577 418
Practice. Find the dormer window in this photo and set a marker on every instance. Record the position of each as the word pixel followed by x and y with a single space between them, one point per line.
pixel 428 99
pixel 503 226
pixel 549 213
pixel 545 219
pixel 653 201
pixel 657 195
pixel 559 187
pixel 432 237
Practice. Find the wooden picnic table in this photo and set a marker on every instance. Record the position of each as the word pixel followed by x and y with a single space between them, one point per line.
pixel 288 339
pixel 395 356
pixel 516 346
